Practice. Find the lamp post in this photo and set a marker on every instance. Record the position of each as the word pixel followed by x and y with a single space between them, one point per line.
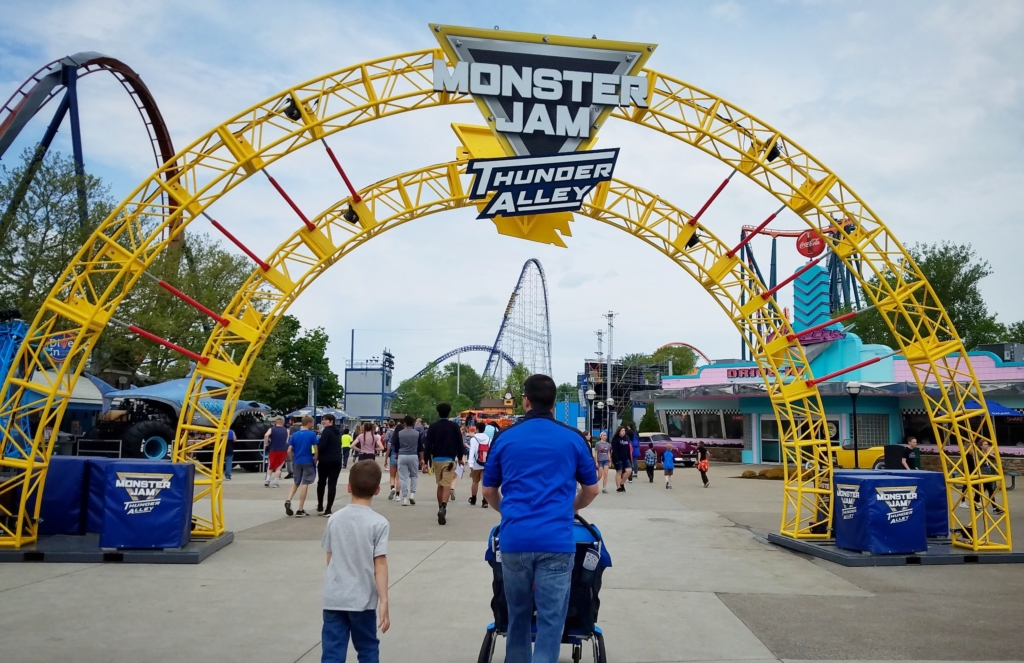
pixel 600 407
pixel 611 415
pixel 853 388
pixel 591 395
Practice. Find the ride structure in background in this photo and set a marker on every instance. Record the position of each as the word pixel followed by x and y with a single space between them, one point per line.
pixel 525 331
pixel 467 348
pixel 842 290
pixel 62 76
pixel 84 299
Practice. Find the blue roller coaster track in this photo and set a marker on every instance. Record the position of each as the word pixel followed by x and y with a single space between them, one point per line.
pixel 466 348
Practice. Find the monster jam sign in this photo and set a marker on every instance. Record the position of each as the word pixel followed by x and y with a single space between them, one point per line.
pixel 147 504
pixel 544 98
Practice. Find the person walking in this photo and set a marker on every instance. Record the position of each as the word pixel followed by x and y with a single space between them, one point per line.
pixel 355 594
pixel 443 450
pixel 668 464
pixel 479 449
pixel 530 478
pixel 408 457
pixel 275 441
pixel 634 446
pixel 229 454
pixel 650 461
pixel 622 457
pixel 292 430
pixel 910 456
pixel 303 454
pixel 346 446
pixel 603 455
pixel 391 450
pixel 367 444
pixel 328 464
pixel 703 462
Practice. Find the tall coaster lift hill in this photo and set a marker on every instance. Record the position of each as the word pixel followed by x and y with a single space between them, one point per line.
pixel 543 99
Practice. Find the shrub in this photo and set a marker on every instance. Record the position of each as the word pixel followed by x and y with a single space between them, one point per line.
pixel 749 474
pixel 775 473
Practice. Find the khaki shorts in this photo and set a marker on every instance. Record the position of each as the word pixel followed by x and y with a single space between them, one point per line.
pixel 476 475
pixel 444 472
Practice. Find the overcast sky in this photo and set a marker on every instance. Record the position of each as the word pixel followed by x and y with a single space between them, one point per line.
pixel 916 105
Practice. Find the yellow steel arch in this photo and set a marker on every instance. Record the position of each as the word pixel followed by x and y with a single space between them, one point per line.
pixel 107 266
pixel 304 257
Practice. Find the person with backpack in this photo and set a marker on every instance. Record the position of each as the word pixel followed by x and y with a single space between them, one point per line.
pixel 703 459
pixel 479 447
pixel 650 461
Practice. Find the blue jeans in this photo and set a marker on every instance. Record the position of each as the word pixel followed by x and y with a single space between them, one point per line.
pixel 540 579
pixel 338 625
pixel 228 462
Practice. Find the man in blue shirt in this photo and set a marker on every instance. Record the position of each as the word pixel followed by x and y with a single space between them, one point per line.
pixel 303 453
pixel 530 479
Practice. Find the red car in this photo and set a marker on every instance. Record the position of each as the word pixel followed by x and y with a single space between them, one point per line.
pixel 684 452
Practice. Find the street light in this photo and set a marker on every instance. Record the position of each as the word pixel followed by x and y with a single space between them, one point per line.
pixel 591 395
pixel 600 407
pixel 853 388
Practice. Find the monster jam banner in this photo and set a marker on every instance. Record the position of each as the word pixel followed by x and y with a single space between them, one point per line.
pixel 881 514
pixel 147 505
pixel 544 97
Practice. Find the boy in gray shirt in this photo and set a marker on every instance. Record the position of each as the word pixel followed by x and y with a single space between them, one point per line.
pixel 356 586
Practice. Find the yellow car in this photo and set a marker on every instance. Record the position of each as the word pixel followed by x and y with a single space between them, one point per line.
pixel 869 458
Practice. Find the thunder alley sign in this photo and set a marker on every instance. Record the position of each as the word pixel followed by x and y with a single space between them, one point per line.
pixel 545 98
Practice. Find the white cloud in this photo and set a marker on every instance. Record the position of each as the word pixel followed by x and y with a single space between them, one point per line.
pixel 916 105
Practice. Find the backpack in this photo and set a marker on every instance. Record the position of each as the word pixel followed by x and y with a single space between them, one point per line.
pixel 481 451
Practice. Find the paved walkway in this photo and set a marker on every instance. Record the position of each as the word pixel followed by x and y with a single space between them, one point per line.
pixel 692 581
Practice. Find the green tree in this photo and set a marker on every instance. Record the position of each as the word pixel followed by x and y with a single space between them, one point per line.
pixel 514 385
pixel 280 375
pixel 468 383
pixel 567 389
pixel 38 241
pixel 1015 332
pixel 649 422
pixel 955 272
pixel 683 358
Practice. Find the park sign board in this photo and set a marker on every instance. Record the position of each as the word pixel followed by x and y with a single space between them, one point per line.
pixel 545 98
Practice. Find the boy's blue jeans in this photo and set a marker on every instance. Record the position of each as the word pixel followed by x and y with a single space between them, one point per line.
pixel 338 625
pixel 541 579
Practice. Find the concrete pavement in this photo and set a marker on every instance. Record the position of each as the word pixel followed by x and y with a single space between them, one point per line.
pixel 692 581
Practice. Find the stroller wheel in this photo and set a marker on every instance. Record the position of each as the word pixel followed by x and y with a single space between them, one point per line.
pixel 487 648
pixel 600 655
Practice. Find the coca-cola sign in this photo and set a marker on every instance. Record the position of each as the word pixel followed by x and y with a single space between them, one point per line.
pixel 810 244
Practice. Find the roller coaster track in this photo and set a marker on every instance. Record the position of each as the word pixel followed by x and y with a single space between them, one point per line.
pixel 468 348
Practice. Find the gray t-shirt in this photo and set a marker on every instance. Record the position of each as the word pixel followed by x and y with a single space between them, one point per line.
pixel 408 442
pixel 354 537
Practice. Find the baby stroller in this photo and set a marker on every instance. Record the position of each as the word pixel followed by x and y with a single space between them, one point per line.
pixel 580 621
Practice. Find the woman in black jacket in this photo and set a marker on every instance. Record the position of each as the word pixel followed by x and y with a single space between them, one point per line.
pixel 622 457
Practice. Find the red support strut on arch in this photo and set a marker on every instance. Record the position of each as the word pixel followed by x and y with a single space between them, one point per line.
pixel 309 224
pixel 196 305
pixel 351 189
pixel 164 342
pixel 224 231
pixel 842 371
pixel 771 291
pixel 696 217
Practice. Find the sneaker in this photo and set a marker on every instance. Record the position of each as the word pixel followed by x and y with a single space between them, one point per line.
pixel 707 484
pixel 604 490
pixel 667 486
pixel 451 496
pixel 391 495
pixel 301 513
pixel 227 478
pixel 630 479
pixel 620 489
pixel 670 486
pixel 472 500
pixel 266 483
pixel 412 498
pixel 484 505
pixel 962 505
pixel 289 476
pixel 276 484
pixel 441 513
pixel 288 508
pixel 405 501
pixel 326 514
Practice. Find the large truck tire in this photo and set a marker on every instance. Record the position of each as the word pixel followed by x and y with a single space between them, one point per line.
pixel 253 431
pixel 153 440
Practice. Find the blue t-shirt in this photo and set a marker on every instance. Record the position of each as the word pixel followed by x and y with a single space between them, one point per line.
pixel 303 443
pixel 537 464
pixel 668 461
